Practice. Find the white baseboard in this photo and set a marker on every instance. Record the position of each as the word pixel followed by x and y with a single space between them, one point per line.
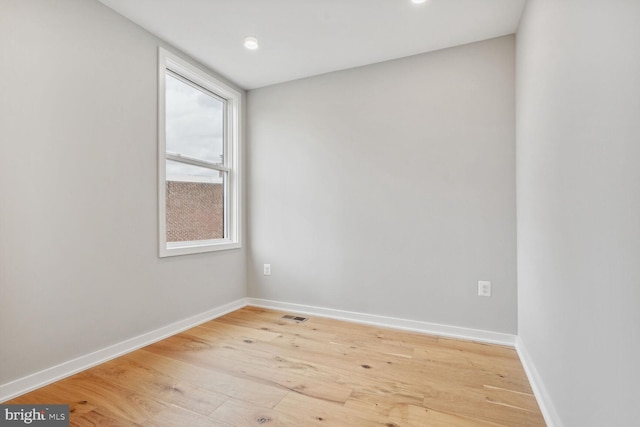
pixel 546 406
pixel 63 370
pixel 66 369
pixel 391 322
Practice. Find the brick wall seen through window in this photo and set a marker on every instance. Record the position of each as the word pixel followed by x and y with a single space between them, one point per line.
pixel 194 211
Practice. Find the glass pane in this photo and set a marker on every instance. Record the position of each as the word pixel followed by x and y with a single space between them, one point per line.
pixel 195 203
pixel 194 121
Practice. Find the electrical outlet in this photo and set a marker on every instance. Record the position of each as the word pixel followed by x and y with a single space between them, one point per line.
pixel 484 288
pixel 267 270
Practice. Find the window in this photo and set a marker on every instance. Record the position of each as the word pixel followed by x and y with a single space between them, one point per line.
pixel 198 162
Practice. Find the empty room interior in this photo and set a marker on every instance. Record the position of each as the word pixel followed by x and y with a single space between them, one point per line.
pixel 348 213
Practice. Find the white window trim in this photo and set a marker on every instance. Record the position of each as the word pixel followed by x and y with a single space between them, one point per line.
pixel 167 60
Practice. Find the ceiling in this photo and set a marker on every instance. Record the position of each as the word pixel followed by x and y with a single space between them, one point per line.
pixel 301 38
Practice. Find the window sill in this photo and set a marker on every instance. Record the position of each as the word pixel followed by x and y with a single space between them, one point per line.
pixel 185 248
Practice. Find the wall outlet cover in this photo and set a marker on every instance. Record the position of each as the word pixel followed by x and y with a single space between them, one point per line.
pixel 484 288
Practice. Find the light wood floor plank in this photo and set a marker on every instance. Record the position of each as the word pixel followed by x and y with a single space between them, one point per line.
pixel 418 416
pixel 251 367
pixel 302 410
pixel 238 413
pixel 218 382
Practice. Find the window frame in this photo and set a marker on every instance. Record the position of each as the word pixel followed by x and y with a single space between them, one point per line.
pixel 168 61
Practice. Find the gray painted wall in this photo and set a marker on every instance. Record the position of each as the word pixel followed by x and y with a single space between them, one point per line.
pixel 78 217
pixel 578 183
pixel 389 189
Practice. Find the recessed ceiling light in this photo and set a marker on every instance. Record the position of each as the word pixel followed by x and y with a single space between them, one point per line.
pixel 251 43
pixel 418 1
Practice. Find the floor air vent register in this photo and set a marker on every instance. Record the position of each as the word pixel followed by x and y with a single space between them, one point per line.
pixel 295 318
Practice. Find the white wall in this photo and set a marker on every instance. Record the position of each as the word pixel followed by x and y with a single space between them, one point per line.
pixel 78 164
pixel 389 189
pixel 578 184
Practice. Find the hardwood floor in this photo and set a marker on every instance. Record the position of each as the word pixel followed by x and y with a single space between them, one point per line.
pixel 252 368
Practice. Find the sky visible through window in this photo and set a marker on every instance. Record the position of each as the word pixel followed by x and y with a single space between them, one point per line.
pixel 194 127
